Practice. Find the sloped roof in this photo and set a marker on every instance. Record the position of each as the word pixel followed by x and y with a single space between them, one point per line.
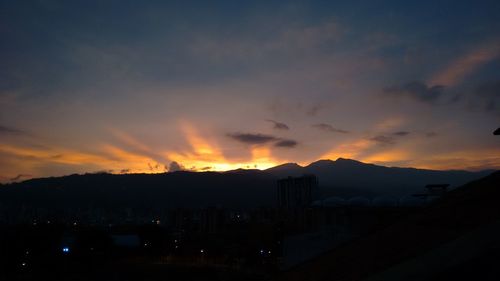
pixel 462 210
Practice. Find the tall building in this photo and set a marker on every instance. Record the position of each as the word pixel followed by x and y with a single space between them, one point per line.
pixel 296 192
pixel 434 191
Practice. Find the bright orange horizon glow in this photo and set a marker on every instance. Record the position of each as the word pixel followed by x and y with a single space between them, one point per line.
pixel 207 156
pixel 204 153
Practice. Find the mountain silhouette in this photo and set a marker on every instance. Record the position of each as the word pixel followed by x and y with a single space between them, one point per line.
pixel 234 189
pixel 347 177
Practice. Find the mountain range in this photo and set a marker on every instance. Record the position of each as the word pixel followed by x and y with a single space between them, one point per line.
pixel 235 189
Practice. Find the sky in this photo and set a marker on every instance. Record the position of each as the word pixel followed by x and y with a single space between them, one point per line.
pixel 155 86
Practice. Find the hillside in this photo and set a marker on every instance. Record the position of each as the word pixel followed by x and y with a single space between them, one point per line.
pixel 458 232
pixel 346 177
pixel 238 188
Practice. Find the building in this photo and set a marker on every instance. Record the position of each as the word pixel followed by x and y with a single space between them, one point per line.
pixel 433 191
pixel 296 192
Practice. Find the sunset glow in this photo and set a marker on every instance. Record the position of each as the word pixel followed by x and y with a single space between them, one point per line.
pixel 175 87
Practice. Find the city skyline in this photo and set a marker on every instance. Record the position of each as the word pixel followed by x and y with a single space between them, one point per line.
pixel 127 88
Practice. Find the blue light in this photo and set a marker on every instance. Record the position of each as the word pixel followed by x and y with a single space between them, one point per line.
pixel 65 250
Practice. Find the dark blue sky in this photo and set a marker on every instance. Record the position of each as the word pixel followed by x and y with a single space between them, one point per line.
pixel 133 86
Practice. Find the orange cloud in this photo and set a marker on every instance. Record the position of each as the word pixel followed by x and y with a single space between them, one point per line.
pixel 466 64
pixel 134 162
pixel 207 156
pixel 389 123
pixel 63 156
pixel 129 140
pixel 351 149
pixel 110 158
pixel 387 157
pixel 468 160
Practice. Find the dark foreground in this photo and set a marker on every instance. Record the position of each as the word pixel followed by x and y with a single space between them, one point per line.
pixel 453 238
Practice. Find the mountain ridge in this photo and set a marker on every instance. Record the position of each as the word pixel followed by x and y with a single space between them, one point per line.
pixel 236 188
pixel 281 167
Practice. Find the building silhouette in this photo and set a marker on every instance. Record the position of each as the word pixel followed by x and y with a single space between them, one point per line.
pixel 296 192
pixel 434 191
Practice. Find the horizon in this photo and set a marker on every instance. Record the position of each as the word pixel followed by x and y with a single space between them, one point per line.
pixel 249 140
pixel 149 88
pixel 110 172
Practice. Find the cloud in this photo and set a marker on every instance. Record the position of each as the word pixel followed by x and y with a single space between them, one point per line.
pixel 483 96
pixel 258 139
pixel 313 111
pixel 11 131
pixel 286 143
pixel 416 90
pixel 401 133
pixel 20 177
pixel 130 143
pixel 383 140
pixel 467 64
pixel 328 128
pixel 156 167
pixel 487 96
pixel 431 134
pixel 389 140
pixel 278 125
pixel 280 106
pixel 174 167
pixel 249 138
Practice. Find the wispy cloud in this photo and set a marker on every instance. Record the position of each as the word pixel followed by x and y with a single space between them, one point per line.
pixel 21 177
pixel 250 138
pixel 130 143
pixel 286 143
pixel 11 131
pixel 278 125
pixel 33 160
pixel 401 133
pixel 458 69
pixel 383 140
pixel 313 110
pixel 475 159
pixel 487 97
pixel 350 149
pixel 261 139
pixel 329 128
pixel 416 90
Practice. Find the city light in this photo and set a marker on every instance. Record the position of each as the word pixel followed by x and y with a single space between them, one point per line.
pixel 65 250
